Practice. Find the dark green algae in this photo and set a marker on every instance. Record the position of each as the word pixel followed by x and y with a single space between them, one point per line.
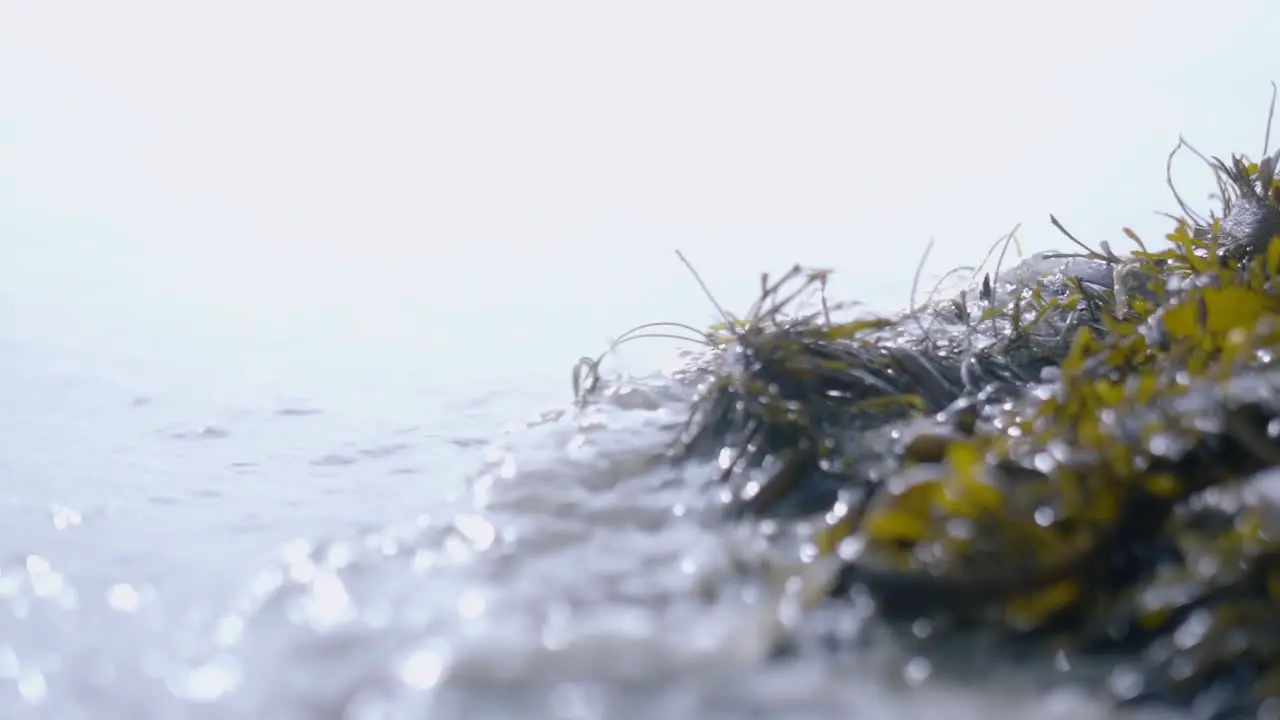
pixel 1080 454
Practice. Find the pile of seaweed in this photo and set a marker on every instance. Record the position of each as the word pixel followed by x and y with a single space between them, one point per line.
pixel 1080 452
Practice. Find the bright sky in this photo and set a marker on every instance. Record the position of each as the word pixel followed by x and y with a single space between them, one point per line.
pixel 378 169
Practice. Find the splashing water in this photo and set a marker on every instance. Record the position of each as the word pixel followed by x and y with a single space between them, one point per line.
pixel 574 575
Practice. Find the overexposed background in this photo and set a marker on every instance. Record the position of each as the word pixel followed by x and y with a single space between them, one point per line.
pixel 480 185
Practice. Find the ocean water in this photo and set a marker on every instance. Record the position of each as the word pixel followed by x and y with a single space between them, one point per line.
pixel 304 554
pixel 290 295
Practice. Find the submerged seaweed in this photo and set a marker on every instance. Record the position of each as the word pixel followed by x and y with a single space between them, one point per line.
pixel 1081 452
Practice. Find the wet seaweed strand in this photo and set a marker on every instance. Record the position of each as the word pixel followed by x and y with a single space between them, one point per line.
pixel 1087 459
pixel 1056 499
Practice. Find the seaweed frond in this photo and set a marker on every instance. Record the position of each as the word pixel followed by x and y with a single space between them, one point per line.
pixel 1084 461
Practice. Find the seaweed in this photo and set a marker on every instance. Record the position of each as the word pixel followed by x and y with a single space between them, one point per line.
pixel 1080 453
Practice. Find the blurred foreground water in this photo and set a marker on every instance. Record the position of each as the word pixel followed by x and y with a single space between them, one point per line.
pixel 190 546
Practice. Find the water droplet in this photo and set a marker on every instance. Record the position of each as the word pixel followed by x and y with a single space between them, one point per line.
pixel 338 555
pixel 917 671
pixel 961 528
pixel 32 687
pixel 422 669
pixel 228 631
pixel 1044 516
pixel 689 565
pixel 37 565
pixel 302 570
pixel 851 548
pixel 725 458
pixel 478 531
pixel 45 581
pixel 1193 629
pixel 327 603
pixel 65 517
pixel 1125 682
pixel 122 597
pixel 296 549
pixel 1164 444
pixel 471 605
pixel 1206 567
pixel 809 552
pixel 922 628
pixel 208 682
pixel 264 585
pixel 422 558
